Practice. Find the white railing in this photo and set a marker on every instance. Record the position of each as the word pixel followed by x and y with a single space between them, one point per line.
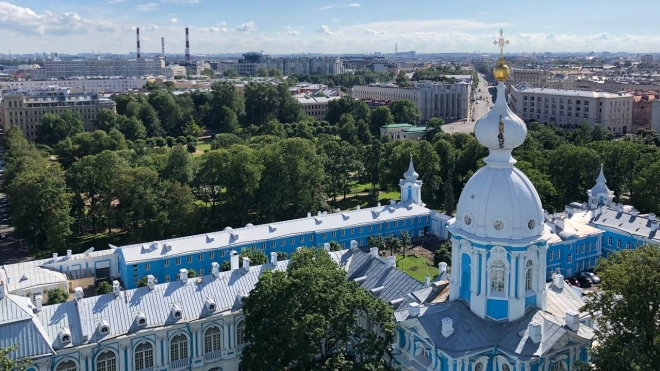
pixel 178 365
pixel 212 356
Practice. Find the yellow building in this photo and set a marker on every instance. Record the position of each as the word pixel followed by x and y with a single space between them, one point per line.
pixel 25 108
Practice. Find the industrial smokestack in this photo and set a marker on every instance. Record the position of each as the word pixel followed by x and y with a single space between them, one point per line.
pixel 138 43
pixel 162 46
pixel 187 46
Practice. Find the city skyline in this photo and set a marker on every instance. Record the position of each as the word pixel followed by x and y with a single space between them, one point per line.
pixel 354 26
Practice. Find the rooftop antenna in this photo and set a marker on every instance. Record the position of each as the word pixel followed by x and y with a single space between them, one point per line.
pixel 138 43
pixel 187 47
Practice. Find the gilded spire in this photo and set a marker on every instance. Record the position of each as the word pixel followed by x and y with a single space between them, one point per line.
pixel 501 72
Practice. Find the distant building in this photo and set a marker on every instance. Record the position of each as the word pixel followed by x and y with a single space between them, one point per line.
pixel 570 108
pixel 315 106
pixel 25 108
pixel 533 77
pixel 62 69
pixel 253 61
pixel 403 131
pixel 655 116
pixel 108 85
pixel 642 108
pixel 647 59
pixel 434 99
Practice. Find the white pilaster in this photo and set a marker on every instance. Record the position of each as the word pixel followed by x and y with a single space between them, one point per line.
pixel 482 273
pixel 521 276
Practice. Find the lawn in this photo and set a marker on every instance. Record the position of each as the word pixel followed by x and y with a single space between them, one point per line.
pixel 416 267
pixel 204 144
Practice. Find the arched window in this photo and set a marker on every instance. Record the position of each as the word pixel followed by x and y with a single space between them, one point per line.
pixel 240 334
pixel 528 275
pixel 67 366
pixel 212 339
pixel 144 356
pixel 106 361
pixel 497 276
pixel 178 348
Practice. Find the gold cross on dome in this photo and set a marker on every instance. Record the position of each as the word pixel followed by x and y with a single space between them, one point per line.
pixel 501 42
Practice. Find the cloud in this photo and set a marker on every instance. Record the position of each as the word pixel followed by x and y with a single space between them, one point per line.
pixel 332 6
pixel 148 7
pixel 293 33
pixel 247 27
pixel 26 21
pixel 181 1
pixel 482 13
pixel 325 30
pixel 174 20
pixel 374 32
pixel 115 1
pixel 153 27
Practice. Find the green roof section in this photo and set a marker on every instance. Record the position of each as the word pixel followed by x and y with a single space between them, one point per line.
pixel 416 129
pixel 397 126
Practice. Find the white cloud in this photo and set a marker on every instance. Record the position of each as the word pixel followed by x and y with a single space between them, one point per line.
pixel 332 6
pixel 324 29
pixel 153 27
pixel 148 7
pixel 247 27
pixel 482 13
pixel 181 1
pixel 26 21
pixel 293 33
pixel 374 32
pixel 115 1
pixel 174 20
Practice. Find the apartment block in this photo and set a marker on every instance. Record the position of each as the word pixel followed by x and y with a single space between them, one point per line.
pixel 529 76
pixel 25 108
pixel 316 107
pixel 642 109
pixel 62 69
pixel 109 85
pixel 570 108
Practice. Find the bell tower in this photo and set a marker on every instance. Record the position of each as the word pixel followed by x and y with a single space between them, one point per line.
pixel 411 187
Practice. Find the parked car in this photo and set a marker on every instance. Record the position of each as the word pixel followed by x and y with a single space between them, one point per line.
pixel 572 281
pixel 584 281
pixel 592 276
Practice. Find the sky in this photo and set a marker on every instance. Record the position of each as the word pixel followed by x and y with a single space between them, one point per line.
pixel 329 26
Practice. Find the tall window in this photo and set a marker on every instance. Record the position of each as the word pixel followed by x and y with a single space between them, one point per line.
pixel 569 258
pixel 240 334
pixel 144 356
pixel 178 348
pixel 212 339
pixel 106 362
pixel 497 276
pixel 528 275
pixel 67 366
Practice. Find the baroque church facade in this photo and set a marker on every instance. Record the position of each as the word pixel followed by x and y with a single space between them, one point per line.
pixel 503 307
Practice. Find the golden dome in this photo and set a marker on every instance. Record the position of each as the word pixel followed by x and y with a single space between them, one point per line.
pixel 501 71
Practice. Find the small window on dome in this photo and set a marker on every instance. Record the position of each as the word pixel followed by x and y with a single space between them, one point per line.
pixel 531 224
pixel 467 220
pixel 498 225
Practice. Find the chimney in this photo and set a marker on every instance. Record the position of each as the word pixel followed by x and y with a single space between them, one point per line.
pixel 151 281
pixel 39 301
pixel 427 280
pixel 162 47
pixel 246 264
pixel 535 332
pixel 78 292
pixel 391 261
pixel 233 257
pixel 115 288
pixel 413 309
pixel 573 320
pixel 633 212
pixel 378 204
pixel 373 252
pixel 273 258
pixel 447 327
pixel 326 247
pixel 2 290
pixel 558 280
pixel 654 226
pixel 309 215
pixel 55 256
pixel 215 269
pixel 651 217
pixel 442 268
pixel 183 275
pixel 138 43
pixel 68 254
pixel 187 46
pixel 392 202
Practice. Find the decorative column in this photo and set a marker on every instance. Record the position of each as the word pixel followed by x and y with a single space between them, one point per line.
pixel 455 257
pixel 543 268
pixel 474 269
pixel 521 276
pixel 482 273
pixel 507 281
pixel 487 280
pixel 459 268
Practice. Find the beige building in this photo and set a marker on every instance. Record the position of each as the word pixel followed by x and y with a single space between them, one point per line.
pixel 570 108
pixel 108 85
pixel 315 106
pixel 25 108
pixel 533 77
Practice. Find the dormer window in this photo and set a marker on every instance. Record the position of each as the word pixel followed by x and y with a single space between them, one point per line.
pixel 142 322
pixel 66 338
pixel 212 307
pixel 65 335
pixel 177 314
pixel 176 311
pixel 104 329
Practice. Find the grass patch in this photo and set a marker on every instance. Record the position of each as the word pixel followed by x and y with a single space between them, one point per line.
pixel 99 241
pixel 351 202
pixel 204 144
pixel 416 267
pixel 387 196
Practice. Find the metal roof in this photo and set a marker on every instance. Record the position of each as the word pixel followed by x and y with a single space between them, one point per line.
pixel 230 238
pixel 638 225
pixel 19 325
pixel 26 275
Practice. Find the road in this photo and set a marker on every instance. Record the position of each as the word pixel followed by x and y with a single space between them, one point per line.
pixel 478 110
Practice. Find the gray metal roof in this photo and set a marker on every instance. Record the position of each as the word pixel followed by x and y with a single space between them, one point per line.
pixel 625 221
pixel 261 233
pixel 19 325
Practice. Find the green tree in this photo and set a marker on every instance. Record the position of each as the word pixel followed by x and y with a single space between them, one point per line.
pixel 231 73
pixel 191 148
pixel 228 121
pixel 244 170
pixel 339 161
pixel 105 119
pixel 169 112
pixel 142 282
pixel 347 129
pixel 646 189
pixel 53 127
pixel 56 296
pixel 288 321
pixel 212 176
pixel 449 194
pixel 192 273
pixel 581 163
pixel 434 126
pixel 442 254
pixel 405 238
pixel 627 311
pixel 257 257
pixel 9 363
pixel 103 288
pixel 402 80
pixel 405 111
pixel 131 127
pixel 262 72
pixel 192 128
pixel 179 165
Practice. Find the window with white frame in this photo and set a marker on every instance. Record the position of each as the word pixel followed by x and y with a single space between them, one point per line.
pixel 334 234
pixel 106 361
pixel 618 243
pixel 529 267
pixel 240 334
pixel 211 255
pixel 550 256
pixel 177 261
pixel 497 276
pixel 569 258
pixel 200 257
pixel 147 267
pixel 144 356
pixel 427 353
pixel 167 263
pixel 558 254
pixel 302 239
pixel 67 366
pixel 212 339
pixel 609 241
pixel 167 278
pixel 201 271
pixel 178 348
pixel 189 259
pixel 343 232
